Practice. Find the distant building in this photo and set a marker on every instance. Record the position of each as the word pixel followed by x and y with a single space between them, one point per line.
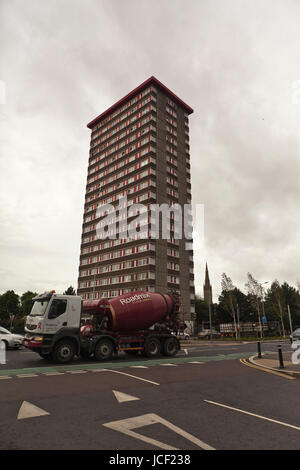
pixel 207 289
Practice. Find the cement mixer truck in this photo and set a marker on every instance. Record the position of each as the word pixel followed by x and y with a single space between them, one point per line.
pixel 60 327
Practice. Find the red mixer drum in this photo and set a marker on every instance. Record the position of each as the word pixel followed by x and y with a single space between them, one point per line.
pixel 138 310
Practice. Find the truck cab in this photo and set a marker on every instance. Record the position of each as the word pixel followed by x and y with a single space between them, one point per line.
pixel 52 318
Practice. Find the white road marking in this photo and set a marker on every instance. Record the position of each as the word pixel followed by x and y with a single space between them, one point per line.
pixel 28 410
pixel 133 376
pixel 173 365
pixel 5 377
pixel 77 371
pixel 53 373
pixel 23 376
pixel 255 415
pixel 195 362
pixel 125 426
pixel 123 397
pixel 139 367
pixel 98 370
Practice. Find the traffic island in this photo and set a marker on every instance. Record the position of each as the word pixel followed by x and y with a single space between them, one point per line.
pixel 273 362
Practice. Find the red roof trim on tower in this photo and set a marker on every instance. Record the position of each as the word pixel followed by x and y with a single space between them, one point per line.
pixel 143 85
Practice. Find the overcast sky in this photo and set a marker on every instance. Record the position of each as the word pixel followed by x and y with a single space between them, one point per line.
pixel 235 62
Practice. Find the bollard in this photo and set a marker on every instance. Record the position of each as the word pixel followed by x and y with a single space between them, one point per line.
pixel 259 349
pixel 281 365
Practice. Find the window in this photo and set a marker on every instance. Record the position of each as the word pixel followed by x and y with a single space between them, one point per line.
pixel 58 307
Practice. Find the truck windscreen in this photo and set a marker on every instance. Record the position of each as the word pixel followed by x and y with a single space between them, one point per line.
pixel 39 308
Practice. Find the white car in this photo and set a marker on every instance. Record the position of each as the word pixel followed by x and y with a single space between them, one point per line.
pixel 10 339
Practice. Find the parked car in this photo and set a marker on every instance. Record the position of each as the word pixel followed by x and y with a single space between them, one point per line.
pixel 295 336
pixel 206 334
pixel 11 340
pixel 182 335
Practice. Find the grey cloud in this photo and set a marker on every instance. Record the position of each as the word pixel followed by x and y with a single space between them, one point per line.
pixel 234 62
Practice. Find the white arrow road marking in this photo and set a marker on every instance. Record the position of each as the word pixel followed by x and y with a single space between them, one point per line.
pixel 28 410
pixel 253 414
pixel 125 426
pixel 123 397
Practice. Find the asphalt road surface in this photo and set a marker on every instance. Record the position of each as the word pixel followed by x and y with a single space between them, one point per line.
pixel 203 399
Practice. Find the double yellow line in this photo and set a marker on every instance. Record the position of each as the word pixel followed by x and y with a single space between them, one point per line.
pixel 246 363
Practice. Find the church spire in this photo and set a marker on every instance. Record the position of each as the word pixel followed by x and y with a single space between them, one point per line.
pixel 207 289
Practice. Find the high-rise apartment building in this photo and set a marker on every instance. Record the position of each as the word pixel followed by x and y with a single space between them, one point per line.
pixel 140 151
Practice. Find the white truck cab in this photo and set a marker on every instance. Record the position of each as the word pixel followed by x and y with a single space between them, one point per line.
pixel 52 316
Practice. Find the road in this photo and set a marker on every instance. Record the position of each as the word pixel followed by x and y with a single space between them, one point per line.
pixel 204 399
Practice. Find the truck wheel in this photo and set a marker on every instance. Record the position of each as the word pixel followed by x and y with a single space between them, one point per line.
pixel 63 351
pixel 170 347
pixel 103 350
pixel 152 347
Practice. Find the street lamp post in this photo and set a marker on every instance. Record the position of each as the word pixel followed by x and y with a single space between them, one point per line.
pixel 263 306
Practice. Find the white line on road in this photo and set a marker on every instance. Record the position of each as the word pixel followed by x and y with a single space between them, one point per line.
pixel 253 414
pixel 4 377
pixel 172 365
pixel 133 376
pixel 53 373
pixel 77 371
pixel 138 367
pixel 23 376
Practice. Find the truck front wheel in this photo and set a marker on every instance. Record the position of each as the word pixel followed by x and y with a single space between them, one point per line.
pixel 64 351
pixel 152 347
pixel 104 350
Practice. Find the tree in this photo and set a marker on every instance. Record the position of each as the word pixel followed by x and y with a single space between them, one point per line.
pixel 278 298
pixel 27 302
pixel 291 298
pixel 70 291
pixel 241 303
pixel 255 293
pixel 275 299
pixel 229 299
pixel 202 313
pixel 9 305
